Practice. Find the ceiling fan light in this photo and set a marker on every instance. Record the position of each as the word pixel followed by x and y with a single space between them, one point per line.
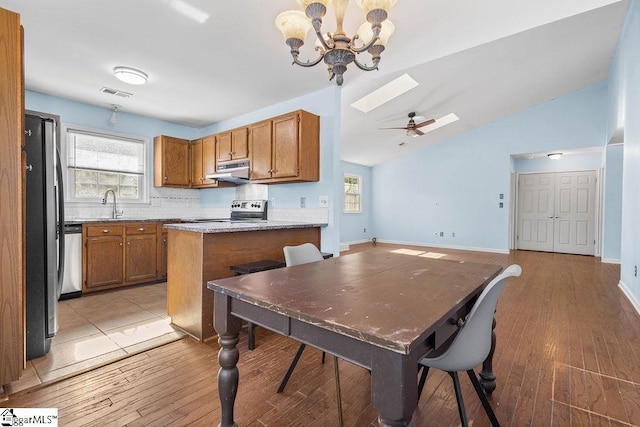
pixel 365 33
pixel 554 156
pixel 293 24
pixel 130 75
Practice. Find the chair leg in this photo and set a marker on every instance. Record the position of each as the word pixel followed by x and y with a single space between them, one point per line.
pixel 338 393
pixel 483 398
pixel 294 362
pixel 456 387
pixel 423 379
pixel 251 328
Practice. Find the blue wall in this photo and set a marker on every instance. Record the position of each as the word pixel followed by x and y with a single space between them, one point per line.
pixel 353 226
pixel 454 186
pixel 624 112
pixel 612 211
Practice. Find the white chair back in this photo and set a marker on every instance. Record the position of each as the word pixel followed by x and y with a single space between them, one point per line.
pixel 301 254
pixel 472 344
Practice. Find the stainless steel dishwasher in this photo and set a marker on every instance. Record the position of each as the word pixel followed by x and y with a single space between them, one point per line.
pixel 72 282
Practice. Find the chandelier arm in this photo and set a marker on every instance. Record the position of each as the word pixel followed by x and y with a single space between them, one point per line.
pixel 375 38
pixel 363 67
pixel 317 24
pixel 308 63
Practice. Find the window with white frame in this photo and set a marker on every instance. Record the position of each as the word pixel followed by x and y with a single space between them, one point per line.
pixel 352 193
pixel 98 161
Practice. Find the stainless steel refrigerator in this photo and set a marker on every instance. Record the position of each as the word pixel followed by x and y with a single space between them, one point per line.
pixel 44 228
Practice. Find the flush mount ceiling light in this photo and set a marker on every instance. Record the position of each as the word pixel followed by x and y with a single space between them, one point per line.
pixel 337 49
pixel 554 156
pixel 130 75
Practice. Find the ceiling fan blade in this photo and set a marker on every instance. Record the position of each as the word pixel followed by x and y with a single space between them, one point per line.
pixel 418 132
pixel 428 122
pixel 393 128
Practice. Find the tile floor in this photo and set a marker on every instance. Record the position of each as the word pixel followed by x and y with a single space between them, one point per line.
pixel 97 329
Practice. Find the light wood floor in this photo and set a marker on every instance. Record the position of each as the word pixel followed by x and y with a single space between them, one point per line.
pixel 568 354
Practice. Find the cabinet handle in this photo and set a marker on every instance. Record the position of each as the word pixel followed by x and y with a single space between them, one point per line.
pixel 165 178
pixel 120 243
pixel 106 230
pixel 129 243
pixel 141 229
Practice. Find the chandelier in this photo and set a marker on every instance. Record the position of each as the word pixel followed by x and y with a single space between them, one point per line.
pixel 338 50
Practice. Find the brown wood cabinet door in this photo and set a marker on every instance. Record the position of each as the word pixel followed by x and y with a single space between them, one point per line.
pixel 140 257
pixel 260 148
pixel 285 146
pixel 240 143
pixel 163 255
pixel 104 261
pixel 12 357
pixel 175 162
pixel 196 163
pixel 209 160
pixel 223 146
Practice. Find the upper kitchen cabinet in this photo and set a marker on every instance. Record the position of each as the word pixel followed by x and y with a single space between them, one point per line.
pixel 285 149
pixel 203 162
pixel 12 167
pixel 171 162
pixel 233 145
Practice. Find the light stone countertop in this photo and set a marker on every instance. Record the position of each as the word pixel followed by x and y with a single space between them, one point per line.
pixel 230 227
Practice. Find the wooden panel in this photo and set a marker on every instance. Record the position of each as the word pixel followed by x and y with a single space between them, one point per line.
pixel 11 194
pixel 196 163
pixel 285 146
pixel 309 154
pixel 223 146
pixel 209 160
pixel 171 157
pixel 141 257
pixel 240 143
pixel 260 148
pixel 194 259
pixel 104 230
pixel 103 261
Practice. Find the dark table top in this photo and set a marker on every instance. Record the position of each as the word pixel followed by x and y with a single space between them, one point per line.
pixel 386 299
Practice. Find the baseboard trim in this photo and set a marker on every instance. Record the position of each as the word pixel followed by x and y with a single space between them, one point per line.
pixel 344 247
pixel 435 245
pixel 610 261
pixel 627 293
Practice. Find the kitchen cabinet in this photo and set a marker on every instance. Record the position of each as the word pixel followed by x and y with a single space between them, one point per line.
pixel 203 163
pixel 103 256
pixel 12 357
pixel 122 254
pixel 140 253
pixel 171 162
pixel 232 145
pixel 285 149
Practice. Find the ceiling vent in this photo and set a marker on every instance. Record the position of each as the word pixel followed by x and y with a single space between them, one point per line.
pixel 116 92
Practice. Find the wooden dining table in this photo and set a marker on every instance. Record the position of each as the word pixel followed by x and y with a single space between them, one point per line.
pixel 381 310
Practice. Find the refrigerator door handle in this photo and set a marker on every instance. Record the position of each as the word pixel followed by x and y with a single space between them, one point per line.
pixel 60 223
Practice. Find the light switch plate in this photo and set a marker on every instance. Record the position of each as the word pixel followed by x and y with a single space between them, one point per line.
pixel 323 201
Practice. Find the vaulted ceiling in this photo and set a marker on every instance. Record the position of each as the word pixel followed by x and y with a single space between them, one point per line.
pixel 478 60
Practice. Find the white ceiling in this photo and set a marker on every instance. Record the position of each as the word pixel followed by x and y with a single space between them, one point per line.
pixel 479 60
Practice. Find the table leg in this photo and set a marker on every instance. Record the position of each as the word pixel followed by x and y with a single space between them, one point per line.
pixel 228 328
pixel 487 377
pixel 394 388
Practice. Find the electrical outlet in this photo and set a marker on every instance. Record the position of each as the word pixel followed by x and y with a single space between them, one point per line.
pixel 442 234
pixel 365 229
pixel 453 234
pixel 303 202
pixel 635 271
pixel 323 201
pixel 273 202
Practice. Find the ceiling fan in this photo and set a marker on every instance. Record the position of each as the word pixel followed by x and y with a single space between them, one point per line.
pixel 412 128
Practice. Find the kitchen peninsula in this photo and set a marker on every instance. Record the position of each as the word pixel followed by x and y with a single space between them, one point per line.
pixel 199 252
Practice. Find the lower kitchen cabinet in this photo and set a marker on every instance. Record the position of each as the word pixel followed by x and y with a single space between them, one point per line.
pixel 122 255
pixel 103 257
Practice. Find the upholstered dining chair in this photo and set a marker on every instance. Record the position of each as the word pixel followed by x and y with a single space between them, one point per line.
pixel 471 345
pixel 296 255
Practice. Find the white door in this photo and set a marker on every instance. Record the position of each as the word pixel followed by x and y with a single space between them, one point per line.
pixel 535 211
pixel 556 212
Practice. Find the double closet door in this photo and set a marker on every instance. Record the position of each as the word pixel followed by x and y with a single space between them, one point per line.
pixel 556 212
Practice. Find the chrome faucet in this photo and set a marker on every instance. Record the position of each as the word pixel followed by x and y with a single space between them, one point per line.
pixel 116 214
